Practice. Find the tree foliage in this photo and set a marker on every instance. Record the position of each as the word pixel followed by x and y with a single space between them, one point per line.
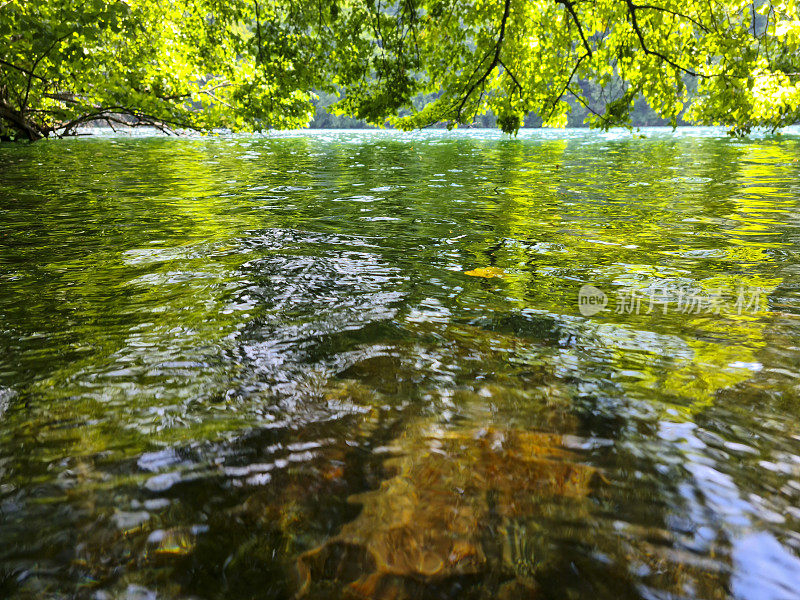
pixel 253 64
pixel 195 64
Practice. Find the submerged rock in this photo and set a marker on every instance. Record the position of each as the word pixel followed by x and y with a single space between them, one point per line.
pixel 462 505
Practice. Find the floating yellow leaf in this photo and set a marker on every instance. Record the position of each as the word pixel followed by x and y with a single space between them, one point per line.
pixel 487 272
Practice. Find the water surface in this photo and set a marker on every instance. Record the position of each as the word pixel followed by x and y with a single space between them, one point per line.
pixel 347 364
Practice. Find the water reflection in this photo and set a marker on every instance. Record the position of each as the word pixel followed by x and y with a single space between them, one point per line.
pixel 262 366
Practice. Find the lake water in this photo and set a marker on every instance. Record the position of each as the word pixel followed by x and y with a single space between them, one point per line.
pixel 343 364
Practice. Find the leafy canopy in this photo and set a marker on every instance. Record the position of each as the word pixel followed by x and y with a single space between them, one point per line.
pixel 256 64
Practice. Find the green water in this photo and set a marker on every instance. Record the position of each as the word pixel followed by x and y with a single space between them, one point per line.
pixel 354 363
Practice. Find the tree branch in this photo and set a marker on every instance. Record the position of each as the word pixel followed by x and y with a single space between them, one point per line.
pixel 258 33
pixel 22 70
pixel 101 113
pixel 566 86
pixel 632 8
pixel 510 74
pixel 20 123
pixel 35 65
pixel 587 107
pixel 673 13
pixel 495 61
pixel 570 6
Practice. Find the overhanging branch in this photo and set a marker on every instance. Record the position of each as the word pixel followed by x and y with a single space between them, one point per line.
pixel 566 85
pixel 510 74
pixel 570 6
pixel 495 61
pixel 632 8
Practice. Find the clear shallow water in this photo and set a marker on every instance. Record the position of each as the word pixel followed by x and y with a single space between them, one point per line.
pixel 350 364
